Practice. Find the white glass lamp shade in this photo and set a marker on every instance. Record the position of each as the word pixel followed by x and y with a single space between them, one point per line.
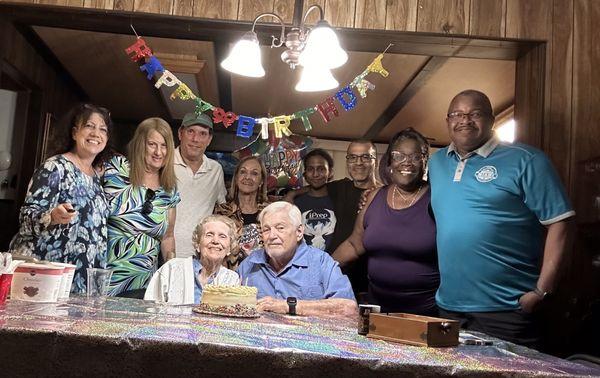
pixel 244 58
pixel 315 79
pixel 323 48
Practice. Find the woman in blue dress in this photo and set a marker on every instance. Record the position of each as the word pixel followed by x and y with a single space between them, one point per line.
pixel 63 218
pixel 142 195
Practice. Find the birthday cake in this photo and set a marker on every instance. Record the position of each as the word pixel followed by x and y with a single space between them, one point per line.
pixel 238 301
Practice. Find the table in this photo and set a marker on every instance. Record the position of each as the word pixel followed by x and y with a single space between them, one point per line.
pixel 129 337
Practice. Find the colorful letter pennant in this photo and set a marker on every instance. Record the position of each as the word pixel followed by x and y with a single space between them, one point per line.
pixel 138 50
pixel 346 97
pixel 348 105
pixel 227 118
pixel 326 107
pixel 151 67
pixel 245 126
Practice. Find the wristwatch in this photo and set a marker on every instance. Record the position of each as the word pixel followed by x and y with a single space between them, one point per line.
pixel 540 293
pixel 291 301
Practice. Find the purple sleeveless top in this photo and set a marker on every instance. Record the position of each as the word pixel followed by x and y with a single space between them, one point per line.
pixel 402 255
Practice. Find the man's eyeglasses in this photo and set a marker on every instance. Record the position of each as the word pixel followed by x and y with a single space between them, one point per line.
pixel 147 207
pixel 351 158
pixel 474 115
pixel 400 157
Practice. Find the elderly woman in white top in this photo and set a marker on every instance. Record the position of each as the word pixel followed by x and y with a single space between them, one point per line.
pixel 180 280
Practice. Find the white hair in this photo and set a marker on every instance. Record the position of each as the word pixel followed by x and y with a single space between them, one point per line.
pixel 292 211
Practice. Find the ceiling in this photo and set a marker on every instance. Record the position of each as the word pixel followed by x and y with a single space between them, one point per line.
pixel 111 79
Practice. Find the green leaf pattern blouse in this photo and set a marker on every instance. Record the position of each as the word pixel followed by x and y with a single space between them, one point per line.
pixel 133 237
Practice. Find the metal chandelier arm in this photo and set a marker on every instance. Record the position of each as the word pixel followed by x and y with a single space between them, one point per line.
pixel 281 37
pixel 312 7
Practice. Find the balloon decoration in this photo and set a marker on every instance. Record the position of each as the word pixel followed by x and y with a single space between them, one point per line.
pixel 282 158
pixel 141 53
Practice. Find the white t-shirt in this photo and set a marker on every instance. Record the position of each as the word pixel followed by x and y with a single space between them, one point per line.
pixel 199 193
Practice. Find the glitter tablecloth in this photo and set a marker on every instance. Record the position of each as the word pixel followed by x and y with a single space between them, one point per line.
pixel 132 338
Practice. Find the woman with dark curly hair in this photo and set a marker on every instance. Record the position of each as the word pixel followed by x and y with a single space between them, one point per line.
pixel 397 231
pixel 247 197
pixel 63 218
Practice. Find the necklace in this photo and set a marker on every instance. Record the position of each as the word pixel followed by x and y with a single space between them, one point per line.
pixel 412 198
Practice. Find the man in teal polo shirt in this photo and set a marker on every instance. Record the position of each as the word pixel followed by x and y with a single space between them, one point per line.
pixel 501 214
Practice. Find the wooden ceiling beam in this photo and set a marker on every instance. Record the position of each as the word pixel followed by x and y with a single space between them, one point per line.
pixel 159 25
pixel 431 65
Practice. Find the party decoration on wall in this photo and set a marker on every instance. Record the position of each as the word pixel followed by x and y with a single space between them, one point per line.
pixel 351 103
pixel 362 87
pixel 326 107
pixel 280 124
pixel 377 67
pixel 202 106
pixel 152 66
pixel 167 79
pixel 138 50
pixel 227 118
pixel 183 92
pixel 245 126
pixel 264 127
pixel 282 158
pixel 303 115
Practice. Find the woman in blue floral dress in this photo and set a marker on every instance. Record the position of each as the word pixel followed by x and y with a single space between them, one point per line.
pixel 63 218
pixel 142 195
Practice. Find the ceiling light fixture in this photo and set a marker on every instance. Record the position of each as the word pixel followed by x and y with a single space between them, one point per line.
pixel 317 50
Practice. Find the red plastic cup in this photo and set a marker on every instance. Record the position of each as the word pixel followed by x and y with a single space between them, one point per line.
pixel 5 280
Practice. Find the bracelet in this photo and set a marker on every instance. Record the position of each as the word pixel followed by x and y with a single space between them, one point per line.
pixel 540 293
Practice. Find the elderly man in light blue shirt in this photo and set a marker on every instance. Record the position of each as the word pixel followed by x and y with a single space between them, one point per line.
pixel 292 277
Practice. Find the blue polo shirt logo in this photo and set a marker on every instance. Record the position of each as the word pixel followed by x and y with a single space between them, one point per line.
pixel 486 174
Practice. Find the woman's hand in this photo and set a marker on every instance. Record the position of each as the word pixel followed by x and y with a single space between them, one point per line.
pixel 62 214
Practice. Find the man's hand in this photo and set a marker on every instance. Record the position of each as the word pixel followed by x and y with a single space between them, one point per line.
pixel 529 302
pixel 271 304
pixel 363 198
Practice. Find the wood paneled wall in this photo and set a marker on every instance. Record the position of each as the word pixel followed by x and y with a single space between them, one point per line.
pixel 56 98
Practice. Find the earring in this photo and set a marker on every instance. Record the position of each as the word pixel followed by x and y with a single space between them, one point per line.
pixel 425 172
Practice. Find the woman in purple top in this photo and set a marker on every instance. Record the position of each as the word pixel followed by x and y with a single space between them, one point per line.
pixel 397 231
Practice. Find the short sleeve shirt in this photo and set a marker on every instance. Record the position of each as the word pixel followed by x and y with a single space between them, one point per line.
pixel 311 274
pixel 318 218
pixel 345 197
pixel 490 208
pixel 199 192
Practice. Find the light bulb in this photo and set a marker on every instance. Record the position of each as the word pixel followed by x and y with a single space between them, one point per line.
pixel 244 58
pixel 315 79
pixel 323 48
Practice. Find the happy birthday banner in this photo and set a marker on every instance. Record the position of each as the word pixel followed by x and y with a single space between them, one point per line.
pixel 245 125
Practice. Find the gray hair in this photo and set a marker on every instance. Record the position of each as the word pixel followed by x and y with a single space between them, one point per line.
pixel 292 211
pixel 199 230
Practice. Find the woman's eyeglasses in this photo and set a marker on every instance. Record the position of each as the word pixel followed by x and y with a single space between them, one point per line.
pixel 147 207
pixel 400 157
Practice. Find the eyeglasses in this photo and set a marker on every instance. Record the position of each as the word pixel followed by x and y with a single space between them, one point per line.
pixel 351 158
pixel 147 207
pixel 474 115
pixel 400 157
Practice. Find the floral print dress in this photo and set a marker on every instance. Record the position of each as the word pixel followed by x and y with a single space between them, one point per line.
pixel 133 237
pixel 81 242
